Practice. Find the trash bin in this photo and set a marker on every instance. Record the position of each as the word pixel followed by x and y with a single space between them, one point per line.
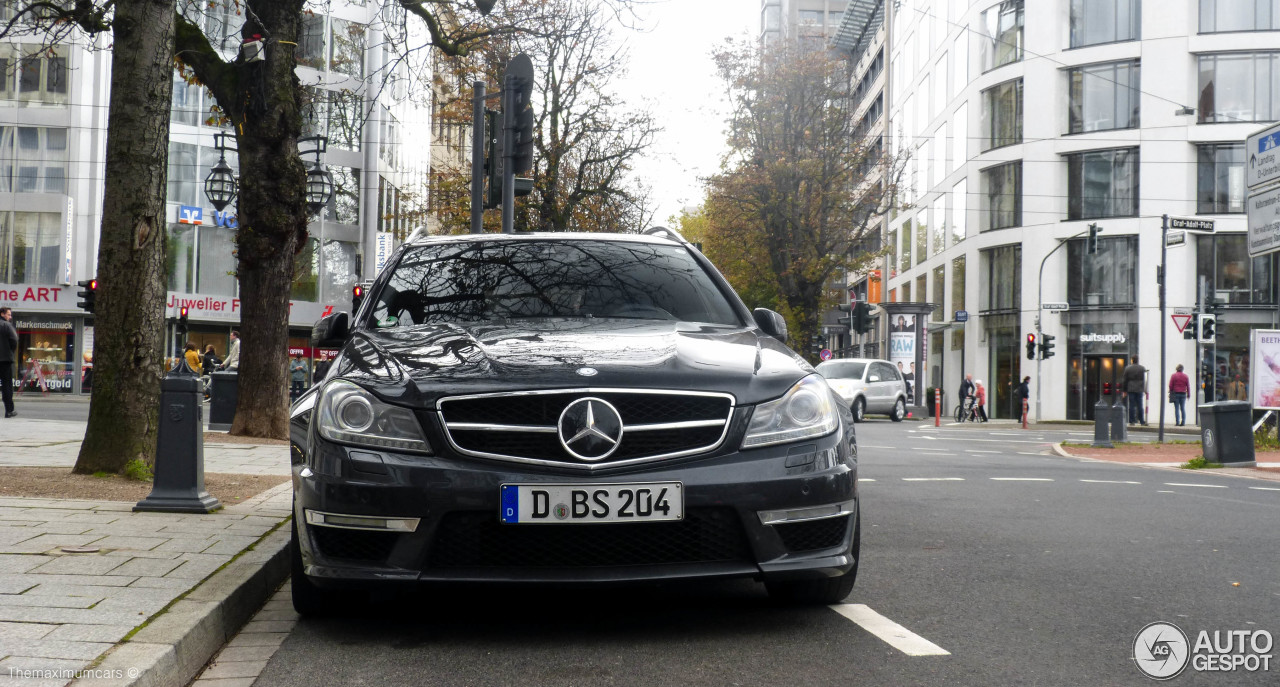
pixel 222 400
pixel 1226 433
pixel 1102 425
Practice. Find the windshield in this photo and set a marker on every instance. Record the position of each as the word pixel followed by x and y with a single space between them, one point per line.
pixel 841 370
pixel 491 280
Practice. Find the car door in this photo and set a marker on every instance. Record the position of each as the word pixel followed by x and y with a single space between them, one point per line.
pixel 882 388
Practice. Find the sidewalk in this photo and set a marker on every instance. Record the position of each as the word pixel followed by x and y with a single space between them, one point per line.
pixel 1170 457
pixel 92 593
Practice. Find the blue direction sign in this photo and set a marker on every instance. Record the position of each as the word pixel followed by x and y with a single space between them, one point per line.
pixel 962 316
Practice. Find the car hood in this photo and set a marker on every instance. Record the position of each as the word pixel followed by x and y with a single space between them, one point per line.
pixel 418 365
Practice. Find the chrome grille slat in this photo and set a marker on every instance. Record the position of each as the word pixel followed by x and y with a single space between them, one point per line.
pixel 666 424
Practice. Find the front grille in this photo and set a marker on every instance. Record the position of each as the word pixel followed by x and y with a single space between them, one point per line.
pixel 814 534
pixel 523 426
pixel 354 545
pixel 476 539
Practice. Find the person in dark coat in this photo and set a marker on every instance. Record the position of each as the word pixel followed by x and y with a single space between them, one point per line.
pixel 966 389
pixel 8 354
pixel 1135 386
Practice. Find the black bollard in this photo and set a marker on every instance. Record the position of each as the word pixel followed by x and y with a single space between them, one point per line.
pixel 222 400
pixel 1102 425
pixel 1120 419
pixel 179 480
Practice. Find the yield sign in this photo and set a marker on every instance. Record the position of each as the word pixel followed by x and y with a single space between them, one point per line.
pixel 1181 321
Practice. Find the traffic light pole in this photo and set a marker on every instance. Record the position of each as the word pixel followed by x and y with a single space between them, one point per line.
pixel 1164 277
pixel 477 157
pixel 509 87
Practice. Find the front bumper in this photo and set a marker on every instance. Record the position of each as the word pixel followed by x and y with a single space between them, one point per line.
pixel 807 490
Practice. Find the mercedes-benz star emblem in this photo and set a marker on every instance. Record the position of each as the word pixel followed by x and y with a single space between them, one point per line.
pixel 590 429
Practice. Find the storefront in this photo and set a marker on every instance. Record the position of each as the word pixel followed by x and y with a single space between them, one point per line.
pixel 1099 346
pixel 1004 347
pixel 47 357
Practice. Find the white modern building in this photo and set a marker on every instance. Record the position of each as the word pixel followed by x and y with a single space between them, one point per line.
pixel 53 118
pixel 1027 123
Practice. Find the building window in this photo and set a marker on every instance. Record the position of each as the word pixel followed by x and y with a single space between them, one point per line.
pixel 957 299
pixel 344 205
pixel 1105 278
pixel 346 48
pixel 310 50
pixel 34 75
pixel 1239 15
pixel 939 293
pixel 810 17
pixel 1002 279
pixel 31 247
pixel 33 159
pixel 1230 275
pixel 1002 196
pixel 1220 178
pixel 1105 21
pixel 1239 87
pixel 183 173
pixel 869 77
pixel 1002 114
pixel 1105 96
pixel 1002 34
pixel 771 18
pixel 1102 183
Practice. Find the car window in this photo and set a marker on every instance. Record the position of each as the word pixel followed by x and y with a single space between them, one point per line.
pixel 885 371
pixel 492 280
pixel 841 369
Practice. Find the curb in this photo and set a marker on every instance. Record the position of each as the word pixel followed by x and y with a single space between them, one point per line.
pixel 176 645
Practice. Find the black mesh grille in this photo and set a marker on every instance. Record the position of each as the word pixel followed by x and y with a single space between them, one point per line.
pixel 354 545
pixel 813 535
pixel 475 539
pixel 543 410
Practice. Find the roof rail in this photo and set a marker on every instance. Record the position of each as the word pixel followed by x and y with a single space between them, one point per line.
pixel 665 232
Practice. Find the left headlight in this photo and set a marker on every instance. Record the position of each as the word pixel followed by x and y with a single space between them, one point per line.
pixel 804 411
pixel 351 415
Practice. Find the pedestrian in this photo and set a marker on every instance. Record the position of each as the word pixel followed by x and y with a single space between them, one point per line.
pixel 232 362
pixel 192 356
pixel 966 389
pixel 980 403
pixel 8 354
pixel 210 360
pixel 1022 392
pixel 1135 386
pixel 297 377
pixel 1179 387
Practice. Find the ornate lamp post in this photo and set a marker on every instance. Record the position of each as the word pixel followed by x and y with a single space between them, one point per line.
pixel 221 187
pixel 319 179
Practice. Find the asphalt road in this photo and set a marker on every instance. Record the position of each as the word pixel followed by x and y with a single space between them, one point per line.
pixel 50 407
pixel 1016 567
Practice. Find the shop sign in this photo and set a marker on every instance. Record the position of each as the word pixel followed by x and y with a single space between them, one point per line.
pixel 190 214
pixel 207 308
pixel 1264 368
pixel 69 230
pixel 384 243
pixel 38 297
pixel 1116 338
pixel 225 219
pixel 316 353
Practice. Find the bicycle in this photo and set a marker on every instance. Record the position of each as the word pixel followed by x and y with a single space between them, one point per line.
pixel 966 411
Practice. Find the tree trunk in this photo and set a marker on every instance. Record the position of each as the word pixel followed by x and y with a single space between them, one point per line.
pixel 273 222
pixel 129 318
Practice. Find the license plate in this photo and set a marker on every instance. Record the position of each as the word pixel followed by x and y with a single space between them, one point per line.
pixel 591 503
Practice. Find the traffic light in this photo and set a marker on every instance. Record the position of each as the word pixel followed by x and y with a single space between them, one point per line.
pixel 522 156
pixel 183 312
pixel 493 158
pixel 88 294
pixel 1046 346
pixel 1031 347
pixel 861 317
pixel 1189 332
pixel 1207 326
pixel 357 297
pixel 1091 244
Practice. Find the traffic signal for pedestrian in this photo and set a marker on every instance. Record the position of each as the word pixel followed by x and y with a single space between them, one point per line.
pixel 182 319
pixel 1046 346
pixel 88 294
pixel 1208 325
pixel 1031 347
pixel 357 297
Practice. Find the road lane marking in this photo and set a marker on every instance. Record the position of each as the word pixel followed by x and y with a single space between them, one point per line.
pixel 891 633
pixel 1027 453
pixel 1207 486
pixel 1265 488
pixel 1108 481
pixel 932 479
pixel 1022 479
pixel 922 448
pixel 872 446
pixel 969 450
pixel 865 479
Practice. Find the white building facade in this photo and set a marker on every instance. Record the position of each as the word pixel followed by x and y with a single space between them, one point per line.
pixel 1029 122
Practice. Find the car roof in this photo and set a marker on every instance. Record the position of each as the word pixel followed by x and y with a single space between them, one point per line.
pixel 547 236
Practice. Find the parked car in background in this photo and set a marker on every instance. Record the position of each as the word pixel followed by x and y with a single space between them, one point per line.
pixel 868 386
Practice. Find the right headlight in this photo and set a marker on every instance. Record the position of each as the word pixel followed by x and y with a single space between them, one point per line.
pixel 805 411
pixel 350 415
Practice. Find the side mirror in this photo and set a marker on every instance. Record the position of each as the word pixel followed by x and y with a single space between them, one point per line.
pixel 331 331
pixel 771 323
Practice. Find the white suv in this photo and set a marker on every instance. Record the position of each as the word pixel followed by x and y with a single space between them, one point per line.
pixel 868 386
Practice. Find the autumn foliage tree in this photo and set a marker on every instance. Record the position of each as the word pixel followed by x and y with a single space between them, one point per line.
pixel 799 186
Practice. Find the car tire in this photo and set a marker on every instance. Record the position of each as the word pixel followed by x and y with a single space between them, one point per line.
pixel 827 591
pixel 899 411
pixel 308 599
pixel 859 410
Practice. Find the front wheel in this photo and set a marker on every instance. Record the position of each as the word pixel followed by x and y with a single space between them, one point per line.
pixel 960 413
pixel 859 410
pixel 899 411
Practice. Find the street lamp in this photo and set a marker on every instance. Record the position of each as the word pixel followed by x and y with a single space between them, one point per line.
pixel 221 187
pixel 319 188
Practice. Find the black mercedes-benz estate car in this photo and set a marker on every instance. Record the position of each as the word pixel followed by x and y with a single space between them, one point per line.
pixel 568 408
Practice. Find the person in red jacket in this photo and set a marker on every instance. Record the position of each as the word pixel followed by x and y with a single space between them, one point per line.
pixel 1179 387
pixel 980 392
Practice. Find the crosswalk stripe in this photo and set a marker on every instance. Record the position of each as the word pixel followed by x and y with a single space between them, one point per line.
pixel 891 633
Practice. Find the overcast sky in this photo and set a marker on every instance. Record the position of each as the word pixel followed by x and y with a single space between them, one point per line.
pixel 671 63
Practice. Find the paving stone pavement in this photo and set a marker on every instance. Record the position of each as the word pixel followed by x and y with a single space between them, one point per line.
pixel 245 657
pixel 55 443
pixel 60 611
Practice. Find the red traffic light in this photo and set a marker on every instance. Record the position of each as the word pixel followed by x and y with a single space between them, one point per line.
pixel 1031 338
pixel 182 312
pixel 93 284
pixel 357 291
